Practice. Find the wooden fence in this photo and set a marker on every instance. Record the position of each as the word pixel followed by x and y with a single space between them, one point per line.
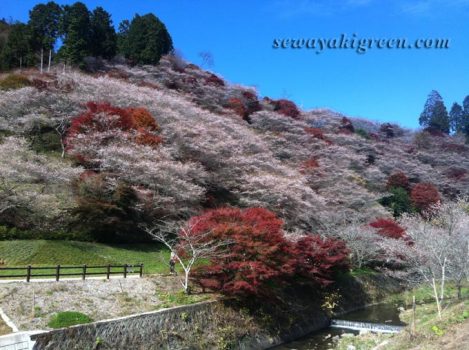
pixel 70 271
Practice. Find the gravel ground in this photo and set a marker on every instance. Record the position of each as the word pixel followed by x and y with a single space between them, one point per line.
pixel 30 305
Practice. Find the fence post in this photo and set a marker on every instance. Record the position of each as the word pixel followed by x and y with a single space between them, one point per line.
pixel 125 271
pixel 57 273
pixel 28 274
pixel 83 276
pixel 141 270
pixel 108 273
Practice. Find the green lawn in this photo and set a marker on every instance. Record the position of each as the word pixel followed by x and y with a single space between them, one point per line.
pixel 49 253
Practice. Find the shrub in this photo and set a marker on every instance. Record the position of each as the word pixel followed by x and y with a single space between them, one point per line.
pixel 388 228
pixel 387 129
pixel 399 201
pixel 424 196
pixel 142 118
pixel 14 81
pixel 67 319
pixel 346 126
pixel 237 106
pixel 362 133
pixel 102 122
pixel 398 179
pixel 310 164
pixel 320 258
pixel 456 173
pixel 287 108
pixel 212 79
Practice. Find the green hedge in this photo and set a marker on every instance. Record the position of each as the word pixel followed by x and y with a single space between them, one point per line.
pixel 13 233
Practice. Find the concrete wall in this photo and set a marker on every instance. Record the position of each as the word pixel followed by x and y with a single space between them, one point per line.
pixel 209 325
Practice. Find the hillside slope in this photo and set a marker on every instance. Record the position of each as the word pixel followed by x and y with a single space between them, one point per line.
pixel 221 146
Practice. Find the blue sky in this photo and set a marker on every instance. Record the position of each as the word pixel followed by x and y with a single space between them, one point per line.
pixel 385 85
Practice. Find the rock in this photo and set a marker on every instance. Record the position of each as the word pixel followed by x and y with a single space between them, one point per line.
pixel 364 331
pixel 351 347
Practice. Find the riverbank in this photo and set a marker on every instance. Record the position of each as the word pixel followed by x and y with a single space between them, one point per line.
pixel 229 324
pixel 451 332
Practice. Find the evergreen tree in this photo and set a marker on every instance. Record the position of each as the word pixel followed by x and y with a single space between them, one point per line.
pixel 465 126
pixel 146 40
pixel 103 34
pixel 122 35
pixel 44 22
pixel 456 116
pixel 75 28
pixel 434 115
pixel 17 50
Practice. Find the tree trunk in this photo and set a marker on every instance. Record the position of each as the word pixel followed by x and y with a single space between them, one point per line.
pixel 437 299
pixel 186 283
pixel 42 59
pixel 443 277
pixel 459 291
pixel 21 63
pixel 50 59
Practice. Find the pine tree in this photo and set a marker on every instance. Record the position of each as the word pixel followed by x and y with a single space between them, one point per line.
pixel 456 116
pixel 146 39
pixel 44 22
pixel 103 34
pixel 435 116
pixel 75 28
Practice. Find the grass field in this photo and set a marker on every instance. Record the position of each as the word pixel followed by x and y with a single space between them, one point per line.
pixel 49 253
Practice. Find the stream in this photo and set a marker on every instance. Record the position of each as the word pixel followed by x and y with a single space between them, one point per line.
pixel 323 339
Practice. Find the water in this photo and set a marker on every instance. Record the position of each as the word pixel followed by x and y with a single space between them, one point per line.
pixel 323 339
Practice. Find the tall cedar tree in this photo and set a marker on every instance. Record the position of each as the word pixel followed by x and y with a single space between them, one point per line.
pixel 17 50
pixel 44 20
pixel 145 40
pixel 76 30
pixel 465 127
pixel 103 36
pixel 456 116
pixel 435 116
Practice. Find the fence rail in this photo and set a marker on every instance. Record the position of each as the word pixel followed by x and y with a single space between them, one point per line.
pixel 82 271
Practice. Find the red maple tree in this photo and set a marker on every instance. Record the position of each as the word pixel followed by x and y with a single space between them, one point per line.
pixel 260 255
pixel 424 196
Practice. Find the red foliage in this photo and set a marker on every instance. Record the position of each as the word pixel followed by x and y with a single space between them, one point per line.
pixel 260 254
pixel 251 102
pixel 388 228
pixel 346 126
pixel 318 134
pixel 287 108
pixel 454 147
pixel 398 179
pixel 101 117
pixel 214 80
pixel 237 106
pixel 318 258
pixel 147 138
pixel 424 196
pixel 142 118
pixel 310 164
